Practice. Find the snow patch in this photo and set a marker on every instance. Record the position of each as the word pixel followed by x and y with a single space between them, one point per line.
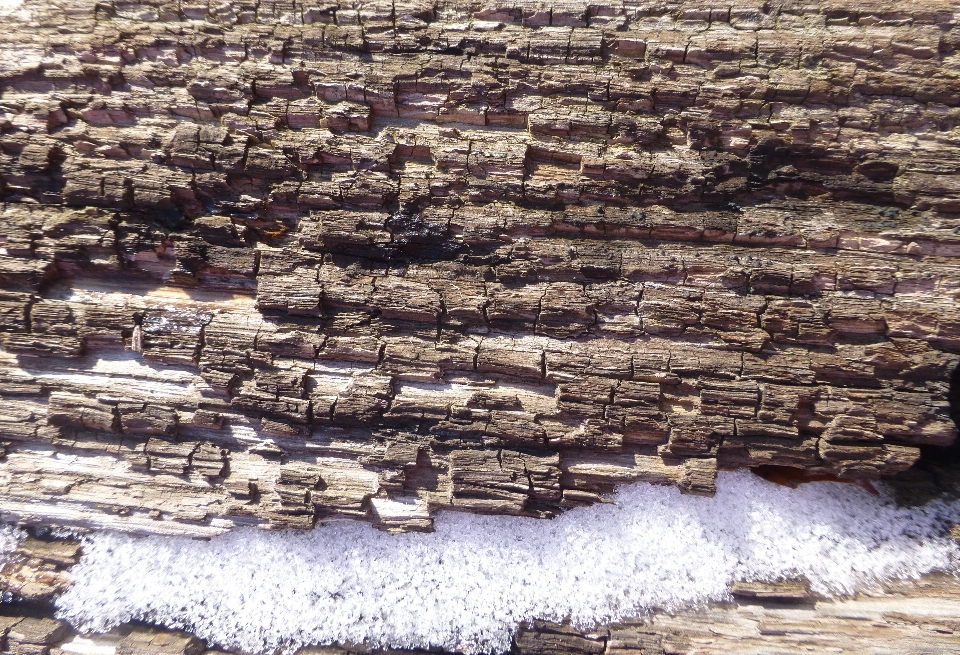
pixel 471 583
pixel 10 537
pixel 100 645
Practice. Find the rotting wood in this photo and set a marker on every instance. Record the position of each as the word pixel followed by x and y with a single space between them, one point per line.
pixel 265 263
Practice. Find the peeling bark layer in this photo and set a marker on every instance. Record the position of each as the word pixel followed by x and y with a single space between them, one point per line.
pixel 265 262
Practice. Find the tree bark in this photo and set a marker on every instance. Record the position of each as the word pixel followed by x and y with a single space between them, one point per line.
pixel 264 263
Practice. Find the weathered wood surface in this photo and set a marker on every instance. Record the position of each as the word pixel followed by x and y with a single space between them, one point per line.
pixel 267 262
pixel 263 263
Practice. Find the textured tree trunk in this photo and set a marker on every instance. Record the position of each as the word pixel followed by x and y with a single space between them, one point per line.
pixel 264 263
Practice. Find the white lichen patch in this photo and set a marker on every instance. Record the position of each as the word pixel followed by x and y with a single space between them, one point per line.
pixel 472 582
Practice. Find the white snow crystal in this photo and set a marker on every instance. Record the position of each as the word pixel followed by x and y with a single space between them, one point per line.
pixel 472 582
pixel 10 537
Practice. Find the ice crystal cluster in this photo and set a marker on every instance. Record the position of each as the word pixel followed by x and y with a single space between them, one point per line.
pixel 472 582
pixel 10 537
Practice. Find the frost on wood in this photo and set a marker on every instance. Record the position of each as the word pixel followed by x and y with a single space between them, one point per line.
pixel 470 584
pixel 10 537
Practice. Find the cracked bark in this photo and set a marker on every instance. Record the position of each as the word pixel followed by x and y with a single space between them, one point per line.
pixel 277 244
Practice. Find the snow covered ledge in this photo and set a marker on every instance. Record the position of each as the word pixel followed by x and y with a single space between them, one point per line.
pixel 471 583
